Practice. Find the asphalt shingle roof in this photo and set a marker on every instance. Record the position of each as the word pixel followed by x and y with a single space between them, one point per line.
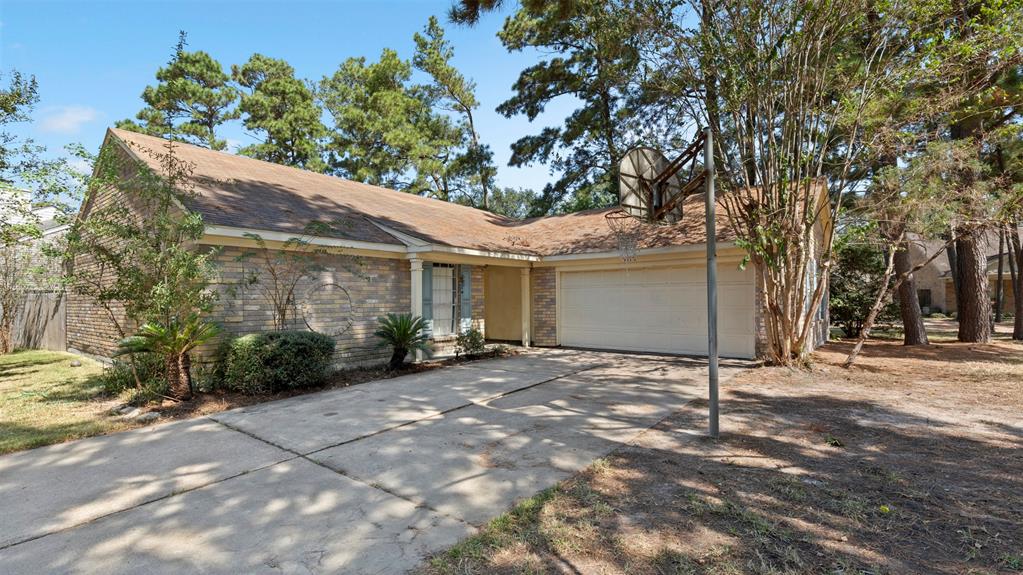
pixel 242 192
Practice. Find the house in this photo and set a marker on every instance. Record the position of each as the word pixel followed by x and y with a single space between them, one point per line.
pixel 39 319
pixel 935 288
pixel 548 281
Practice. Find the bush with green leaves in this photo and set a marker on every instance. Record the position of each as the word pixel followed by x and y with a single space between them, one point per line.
pixel 403 333
pixel 119 380
pixel 470 342
pixel 275 361
pixel 856 280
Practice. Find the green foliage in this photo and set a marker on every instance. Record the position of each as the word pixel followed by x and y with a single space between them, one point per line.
pixel 17 100
pixel 403 333
pixel 856 280
pixel 516 203
pixel 469 342
pixel 149 265
pixel 119 378
pixel 465 170
pixel 192 97
pixel 592 54
pixel 276 361
pixel 280 108
pixel 280 269
pixel 172 341
pixel 382 124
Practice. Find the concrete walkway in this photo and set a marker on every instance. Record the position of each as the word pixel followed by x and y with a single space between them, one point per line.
pixel 368 479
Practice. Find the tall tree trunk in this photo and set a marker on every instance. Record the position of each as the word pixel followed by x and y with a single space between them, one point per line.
pixel 974 302
pixel 909 303
pixel 999 296
pixel 1016 272
pixel 953 267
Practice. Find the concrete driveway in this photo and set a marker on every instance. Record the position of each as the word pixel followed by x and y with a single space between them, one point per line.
pixel 368 479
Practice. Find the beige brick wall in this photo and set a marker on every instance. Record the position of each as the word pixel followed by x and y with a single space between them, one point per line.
pixel 478 303
pixel 92 328
pixel 543 289
pixel 343 300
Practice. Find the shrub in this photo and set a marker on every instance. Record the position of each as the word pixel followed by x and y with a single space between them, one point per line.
pixel 470 342
pixel 119 380
pixel 271 362
pixel 402 333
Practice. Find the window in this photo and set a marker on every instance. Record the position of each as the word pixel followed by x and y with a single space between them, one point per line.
pixel 924 295
pixel 447 298
pixel 443 299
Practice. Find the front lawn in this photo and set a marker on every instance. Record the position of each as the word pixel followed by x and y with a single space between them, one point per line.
pixel 907 463
pixel 44 400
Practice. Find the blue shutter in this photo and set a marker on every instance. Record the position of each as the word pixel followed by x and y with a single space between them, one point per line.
pixel 428 296
pixel 465 293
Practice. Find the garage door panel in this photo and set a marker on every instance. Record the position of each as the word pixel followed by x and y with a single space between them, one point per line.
pixel 656 309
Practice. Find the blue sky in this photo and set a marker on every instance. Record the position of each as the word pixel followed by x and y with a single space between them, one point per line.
pixel 93 59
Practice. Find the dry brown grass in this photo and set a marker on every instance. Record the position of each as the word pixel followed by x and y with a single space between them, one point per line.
pixel 908 463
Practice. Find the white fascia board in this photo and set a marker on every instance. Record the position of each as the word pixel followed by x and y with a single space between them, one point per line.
pixel 408 240
pixel 214 231
pixel 418 251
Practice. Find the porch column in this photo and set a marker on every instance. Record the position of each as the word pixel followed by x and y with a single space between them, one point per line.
pixel 416 265
pixel 526 308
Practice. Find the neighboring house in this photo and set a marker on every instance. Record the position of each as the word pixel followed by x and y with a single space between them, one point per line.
pixel 934 281
pixel 1008 297
pixel 547 281
pixel 40 319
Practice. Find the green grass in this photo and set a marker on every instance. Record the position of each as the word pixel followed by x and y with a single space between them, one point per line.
pixel 44 400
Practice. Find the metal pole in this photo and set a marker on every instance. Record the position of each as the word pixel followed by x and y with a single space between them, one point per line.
pixel 712 282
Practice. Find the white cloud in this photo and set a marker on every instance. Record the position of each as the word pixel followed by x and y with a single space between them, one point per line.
pixel 67 119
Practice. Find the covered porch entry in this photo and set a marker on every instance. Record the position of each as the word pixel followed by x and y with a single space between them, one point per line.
pixel 453 294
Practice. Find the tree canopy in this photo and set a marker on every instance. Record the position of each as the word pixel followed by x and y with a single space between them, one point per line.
pixel 192 98
pixel 281 111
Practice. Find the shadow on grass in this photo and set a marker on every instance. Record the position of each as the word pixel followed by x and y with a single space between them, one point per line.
pixel 824 486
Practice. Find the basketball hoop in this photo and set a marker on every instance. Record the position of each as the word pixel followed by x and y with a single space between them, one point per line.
pixel 626 230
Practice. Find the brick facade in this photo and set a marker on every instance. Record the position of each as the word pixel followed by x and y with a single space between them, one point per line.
pixel 543 311
pixel 343 299
pixel 478 304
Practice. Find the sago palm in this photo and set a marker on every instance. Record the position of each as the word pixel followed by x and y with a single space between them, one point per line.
pixel 173 341
pixel 403 333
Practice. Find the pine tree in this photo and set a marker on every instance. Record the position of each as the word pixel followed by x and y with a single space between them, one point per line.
pixel 451 91
pixel 595 60
pixel 193 96
pixel 281 111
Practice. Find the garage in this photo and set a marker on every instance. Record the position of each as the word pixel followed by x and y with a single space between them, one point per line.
pixel 656 309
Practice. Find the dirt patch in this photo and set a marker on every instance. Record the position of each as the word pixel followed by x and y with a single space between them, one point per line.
pixel 910 462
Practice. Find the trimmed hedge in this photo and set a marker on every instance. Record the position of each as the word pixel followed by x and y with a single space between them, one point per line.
pixel 275 361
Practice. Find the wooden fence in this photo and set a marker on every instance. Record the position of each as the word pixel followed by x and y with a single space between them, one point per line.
pixel 42 322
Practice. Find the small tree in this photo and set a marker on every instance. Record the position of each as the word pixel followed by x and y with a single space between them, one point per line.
pixel 280 268
pixel 133 250
pixel 856 279
pixel 403 333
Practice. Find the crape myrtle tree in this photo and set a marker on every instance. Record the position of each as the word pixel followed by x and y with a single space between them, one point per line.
pixel 192 98
pixel 28 181
pixel 133 252
pixel 275 269
pixel 793 85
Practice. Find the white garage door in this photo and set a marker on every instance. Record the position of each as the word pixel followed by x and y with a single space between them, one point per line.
pixel 656 309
